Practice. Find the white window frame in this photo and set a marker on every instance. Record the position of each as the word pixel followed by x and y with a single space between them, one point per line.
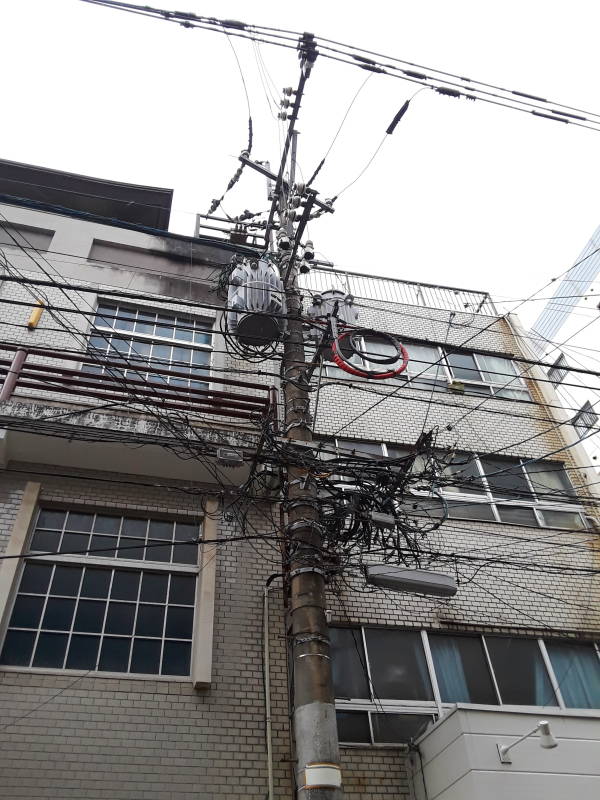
pixel 136 370
pixel 445 376
pixel 486 496
pixel 11 571
pixel 436 707
pixel 537 506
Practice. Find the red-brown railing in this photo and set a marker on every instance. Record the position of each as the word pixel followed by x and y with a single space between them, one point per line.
pixel 19 373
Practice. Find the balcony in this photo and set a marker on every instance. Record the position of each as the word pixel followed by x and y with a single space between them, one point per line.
pixel 394 290
pixel 459 757
pixel 96 420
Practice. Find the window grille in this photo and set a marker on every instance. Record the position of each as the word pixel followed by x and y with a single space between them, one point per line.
pixel 585 420
pixel 558 371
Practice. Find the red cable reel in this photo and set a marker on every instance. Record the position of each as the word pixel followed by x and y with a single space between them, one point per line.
pixel 349 336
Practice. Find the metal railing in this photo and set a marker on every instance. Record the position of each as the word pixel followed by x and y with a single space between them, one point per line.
pixel 395 290
pixel 17 373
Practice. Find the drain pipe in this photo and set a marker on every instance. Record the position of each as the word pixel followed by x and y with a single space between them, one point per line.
pixel 267 681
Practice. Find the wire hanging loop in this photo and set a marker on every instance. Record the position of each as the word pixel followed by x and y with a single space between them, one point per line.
pixel 347 342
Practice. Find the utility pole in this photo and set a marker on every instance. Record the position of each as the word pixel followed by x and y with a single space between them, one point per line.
pixel 313 713
pixel 318 773
pixel 317 768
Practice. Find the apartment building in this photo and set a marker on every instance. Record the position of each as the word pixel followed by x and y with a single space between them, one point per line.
pixel 133 660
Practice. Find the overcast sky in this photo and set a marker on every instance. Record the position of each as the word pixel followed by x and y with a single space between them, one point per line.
pixel 463 194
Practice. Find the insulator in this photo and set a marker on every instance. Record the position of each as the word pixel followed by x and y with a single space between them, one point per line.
pixel 295 201
pixel 285 103
pixel 282 115
pixel 288 91
pixel 283 240
pixel 309 250
pixel 304 267
pixel 300 188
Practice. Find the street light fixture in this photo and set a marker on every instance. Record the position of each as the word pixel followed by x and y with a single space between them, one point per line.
pixel 547 741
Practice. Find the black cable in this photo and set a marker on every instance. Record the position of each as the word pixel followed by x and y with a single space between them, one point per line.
pixel 337 133
pixel 467 88
pixel 122 548
pixel 238 173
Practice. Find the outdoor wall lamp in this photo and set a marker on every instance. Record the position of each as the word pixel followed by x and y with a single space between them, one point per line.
pixel 547 741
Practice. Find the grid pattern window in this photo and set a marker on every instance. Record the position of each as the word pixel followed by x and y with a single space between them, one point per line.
pixel 440 368
pixel 559 370
pixel 141 338
pixel 128 610
pixel 585 420
pixel 390 684
pixel 491 488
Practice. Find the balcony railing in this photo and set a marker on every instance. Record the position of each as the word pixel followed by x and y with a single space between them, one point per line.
pixel 18 373
pixel 394 290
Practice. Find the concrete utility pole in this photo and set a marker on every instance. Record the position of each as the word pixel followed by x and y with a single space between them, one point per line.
pixel 318 773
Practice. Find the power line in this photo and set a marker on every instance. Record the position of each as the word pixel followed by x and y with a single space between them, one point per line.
pixel 441 82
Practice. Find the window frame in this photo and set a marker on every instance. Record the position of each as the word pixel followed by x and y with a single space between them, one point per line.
pixel 537 505
pixel 437 708
pixel 204 570
pixel 445 376
pixel 485 495
pixel 131 369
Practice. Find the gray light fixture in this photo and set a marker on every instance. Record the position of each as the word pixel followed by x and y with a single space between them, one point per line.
pixel 547 741
pixel 401 579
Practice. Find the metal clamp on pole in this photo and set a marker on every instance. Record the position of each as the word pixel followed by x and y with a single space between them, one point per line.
pixel 302 570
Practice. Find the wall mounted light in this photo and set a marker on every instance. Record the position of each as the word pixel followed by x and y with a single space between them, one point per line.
pixel 547 741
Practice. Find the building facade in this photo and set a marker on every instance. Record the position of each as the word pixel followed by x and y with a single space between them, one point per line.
pixel 145 655
pixel 564 336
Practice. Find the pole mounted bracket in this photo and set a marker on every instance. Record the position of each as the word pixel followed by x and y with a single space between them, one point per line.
pixel 301 570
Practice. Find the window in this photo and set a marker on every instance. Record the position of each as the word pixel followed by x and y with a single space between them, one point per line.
pixel 511 490
pixel 558 371
pixel 25 236
pixel 390 683
pixel 128 610
pixel 479 487
pixel 424 368
pixel 520 673
pixel 585 420
pixel 362 727
pixel 577 673
pixel 398 666
pixel 435 368
pixel 142 338
pixel 461 668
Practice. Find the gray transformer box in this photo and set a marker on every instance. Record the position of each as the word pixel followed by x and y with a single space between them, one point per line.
pixel 256 303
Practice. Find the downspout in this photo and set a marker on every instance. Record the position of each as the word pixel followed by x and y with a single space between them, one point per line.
pixel 267 680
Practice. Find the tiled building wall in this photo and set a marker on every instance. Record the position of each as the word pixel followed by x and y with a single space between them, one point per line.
pixel 95 737
pixel 98 737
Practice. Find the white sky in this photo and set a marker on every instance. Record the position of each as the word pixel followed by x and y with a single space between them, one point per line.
pixel 463 194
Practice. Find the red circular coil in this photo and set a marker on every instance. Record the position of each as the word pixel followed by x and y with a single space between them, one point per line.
pixel 363 373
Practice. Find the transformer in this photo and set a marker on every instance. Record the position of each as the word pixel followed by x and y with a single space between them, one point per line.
pixel 255 293
pixel 323 304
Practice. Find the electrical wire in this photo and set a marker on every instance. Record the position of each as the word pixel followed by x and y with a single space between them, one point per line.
pixel 445 82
